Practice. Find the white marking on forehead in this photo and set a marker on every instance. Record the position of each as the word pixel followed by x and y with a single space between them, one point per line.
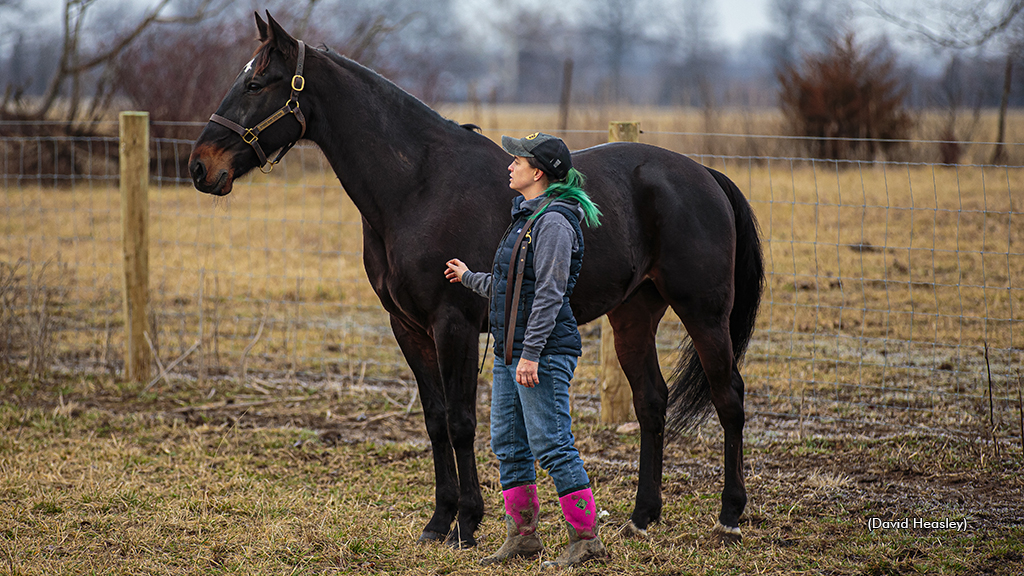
pixel 248 66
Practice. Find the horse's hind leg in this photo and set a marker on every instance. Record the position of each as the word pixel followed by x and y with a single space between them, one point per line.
pixel 635 323
pixel 713 344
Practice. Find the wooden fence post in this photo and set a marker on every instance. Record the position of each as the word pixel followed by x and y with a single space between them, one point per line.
pixel 134 162
pixel 566 99
pixel 616 397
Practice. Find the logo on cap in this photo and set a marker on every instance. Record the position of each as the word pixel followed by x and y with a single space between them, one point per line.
pixel 532 136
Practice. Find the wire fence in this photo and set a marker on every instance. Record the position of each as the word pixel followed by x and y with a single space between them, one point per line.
pixel 893 298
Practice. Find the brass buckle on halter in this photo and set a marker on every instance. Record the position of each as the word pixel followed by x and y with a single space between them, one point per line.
pixel 249 137
pixel 301 83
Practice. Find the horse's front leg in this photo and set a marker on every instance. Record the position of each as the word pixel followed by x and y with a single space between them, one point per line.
pixel 420 353
pixel 457 351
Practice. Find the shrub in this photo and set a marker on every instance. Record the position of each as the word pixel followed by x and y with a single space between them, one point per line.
pixel 846 100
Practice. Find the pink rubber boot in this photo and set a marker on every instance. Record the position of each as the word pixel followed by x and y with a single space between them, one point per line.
pixel 521 510
pixel 584 543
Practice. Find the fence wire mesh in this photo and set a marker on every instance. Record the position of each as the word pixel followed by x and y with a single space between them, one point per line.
pixel 893 292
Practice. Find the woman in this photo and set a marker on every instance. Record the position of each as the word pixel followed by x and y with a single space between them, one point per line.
pixel 535 269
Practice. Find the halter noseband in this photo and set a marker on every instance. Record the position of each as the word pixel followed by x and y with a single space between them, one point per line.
pixel 251 135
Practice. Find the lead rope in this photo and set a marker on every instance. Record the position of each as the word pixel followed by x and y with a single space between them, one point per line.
pixel 517 266
pixel 487 346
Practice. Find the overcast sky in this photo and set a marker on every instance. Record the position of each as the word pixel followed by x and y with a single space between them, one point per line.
pixel 738 19
pixel 735 20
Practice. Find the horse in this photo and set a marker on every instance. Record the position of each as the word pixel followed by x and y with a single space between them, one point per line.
pixel 674 233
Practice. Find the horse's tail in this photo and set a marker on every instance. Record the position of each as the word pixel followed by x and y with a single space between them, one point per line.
pixel 690 397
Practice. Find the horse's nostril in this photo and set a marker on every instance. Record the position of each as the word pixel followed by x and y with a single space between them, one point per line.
pixel 198 171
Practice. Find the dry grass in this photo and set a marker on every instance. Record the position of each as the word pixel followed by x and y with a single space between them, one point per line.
pixel 736 131
pixel 886 281
pixel 885 284
pixel 338 481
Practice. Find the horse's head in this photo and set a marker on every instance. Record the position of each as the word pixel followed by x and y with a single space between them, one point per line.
pixel 259 112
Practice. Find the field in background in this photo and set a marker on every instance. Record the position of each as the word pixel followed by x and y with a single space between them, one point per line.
pixel 893 292
pixel 737 131
pixel 758 134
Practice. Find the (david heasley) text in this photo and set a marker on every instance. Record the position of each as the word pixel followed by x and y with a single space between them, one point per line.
pixel 876 523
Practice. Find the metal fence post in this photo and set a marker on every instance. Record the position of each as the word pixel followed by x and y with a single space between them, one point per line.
pixel 616 397
pixel 134 163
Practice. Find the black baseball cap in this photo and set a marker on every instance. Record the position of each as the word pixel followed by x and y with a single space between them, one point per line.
pixel 552 154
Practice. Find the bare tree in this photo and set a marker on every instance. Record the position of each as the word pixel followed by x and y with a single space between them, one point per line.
pixel 953 23
pixel 76 61
pixel 803 26
pixel 416 43
pixel 959 25
pixel 951 96
pixel 618 25
pixel 690 79
pixel 538 54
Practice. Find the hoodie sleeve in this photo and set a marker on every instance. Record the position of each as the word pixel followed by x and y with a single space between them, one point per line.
pixel 553 242
pixel 479 282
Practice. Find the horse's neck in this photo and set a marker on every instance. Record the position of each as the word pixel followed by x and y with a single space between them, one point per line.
pixel 372 135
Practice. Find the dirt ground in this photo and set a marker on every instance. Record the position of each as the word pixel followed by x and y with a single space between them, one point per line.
pixel 872 465
pixel 814 488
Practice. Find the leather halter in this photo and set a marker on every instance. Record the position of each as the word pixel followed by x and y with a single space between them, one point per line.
pixel 251 135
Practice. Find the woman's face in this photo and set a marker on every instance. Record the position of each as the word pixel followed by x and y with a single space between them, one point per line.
pixel 521 174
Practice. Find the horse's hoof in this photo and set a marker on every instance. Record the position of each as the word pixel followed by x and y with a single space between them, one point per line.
pixel 723 535
pixel 431 536
pixel 630 530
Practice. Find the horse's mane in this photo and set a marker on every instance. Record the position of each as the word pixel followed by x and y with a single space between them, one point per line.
pixel 383 88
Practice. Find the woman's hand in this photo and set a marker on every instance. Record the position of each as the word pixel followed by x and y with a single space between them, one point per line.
pixel 526 373
pixel 455 270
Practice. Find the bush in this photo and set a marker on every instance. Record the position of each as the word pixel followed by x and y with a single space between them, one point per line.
pixel 181 74
pixel 846 101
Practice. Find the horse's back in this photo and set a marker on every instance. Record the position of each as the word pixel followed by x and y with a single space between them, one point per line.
pixel 665 217
pixel 635 173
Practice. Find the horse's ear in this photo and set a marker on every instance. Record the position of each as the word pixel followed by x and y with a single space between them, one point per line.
pixel 279 38
pixel 261 27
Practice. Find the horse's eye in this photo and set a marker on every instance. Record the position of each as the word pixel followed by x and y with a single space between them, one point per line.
pixel 253 87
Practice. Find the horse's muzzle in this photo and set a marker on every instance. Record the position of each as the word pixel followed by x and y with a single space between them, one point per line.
pixel 220 185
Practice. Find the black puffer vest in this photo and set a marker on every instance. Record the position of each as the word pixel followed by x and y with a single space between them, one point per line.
pixel 565 336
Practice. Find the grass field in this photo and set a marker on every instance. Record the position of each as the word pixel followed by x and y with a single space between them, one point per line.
pixel 882 383
pixel 339 481
pixel 747 132
pixel 886 284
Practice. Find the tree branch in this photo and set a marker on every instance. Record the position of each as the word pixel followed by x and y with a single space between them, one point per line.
pixel 968 28
pixel 152 17
pixel 71 64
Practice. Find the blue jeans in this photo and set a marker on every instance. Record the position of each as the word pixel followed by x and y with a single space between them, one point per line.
pixel 530 424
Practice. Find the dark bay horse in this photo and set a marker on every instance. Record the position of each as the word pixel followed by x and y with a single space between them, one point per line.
pixel 674 233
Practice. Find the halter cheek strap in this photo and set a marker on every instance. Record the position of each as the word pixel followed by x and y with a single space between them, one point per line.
pixel 251 135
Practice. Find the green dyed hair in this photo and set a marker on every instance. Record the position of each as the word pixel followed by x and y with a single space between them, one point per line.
pixel 571 188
